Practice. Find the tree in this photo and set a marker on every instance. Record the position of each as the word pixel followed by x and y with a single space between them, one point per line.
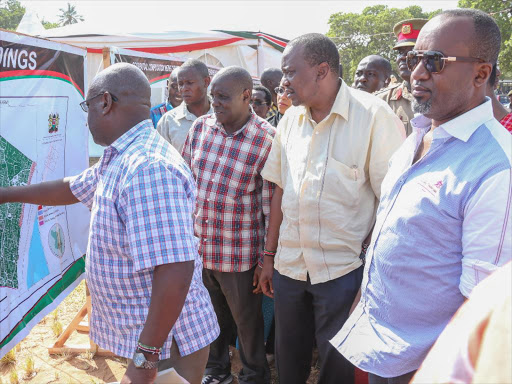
pixel 371 32
pixel 69 15
pixel 501 11
pixel 49 24
pixel 11 13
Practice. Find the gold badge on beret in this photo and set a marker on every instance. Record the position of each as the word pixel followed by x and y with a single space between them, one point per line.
pixel 406 29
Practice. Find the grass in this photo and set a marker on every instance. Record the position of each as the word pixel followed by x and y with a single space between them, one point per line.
pixel 29 368
pixel 9 358
pixel 57 328
pixel 55 315
pixel 13 377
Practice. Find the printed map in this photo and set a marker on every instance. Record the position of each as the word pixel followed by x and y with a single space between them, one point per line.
pixel 15 169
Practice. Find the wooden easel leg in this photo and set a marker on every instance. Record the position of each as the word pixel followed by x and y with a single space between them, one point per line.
pixel 59 347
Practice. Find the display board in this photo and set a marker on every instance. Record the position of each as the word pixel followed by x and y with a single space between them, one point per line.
pixel 43 137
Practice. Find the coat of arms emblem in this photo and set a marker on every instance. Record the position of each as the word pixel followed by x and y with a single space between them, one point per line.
pixel 53 122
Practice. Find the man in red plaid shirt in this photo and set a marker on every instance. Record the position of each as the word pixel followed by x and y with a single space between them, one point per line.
pixel 226 152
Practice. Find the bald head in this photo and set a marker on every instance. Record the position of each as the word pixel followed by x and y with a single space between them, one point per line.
pixel 125 81
pixel 173 94
pixel 270 79
pixel 238 76
pixel 174 74
pixel 117 100
pixel 372 73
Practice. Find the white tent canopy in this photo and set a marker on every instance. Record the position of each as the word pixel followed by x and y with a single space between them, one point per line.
pixel 252 51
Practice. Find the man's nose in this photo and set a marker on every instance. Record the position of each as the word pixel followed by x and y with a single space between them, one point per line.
pixel 420 72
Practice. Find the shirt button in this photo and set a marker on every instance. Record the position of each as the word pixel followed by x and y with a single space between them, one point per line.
pixel 205 240
pixel 207 199
pixel 316 133
pixel 206 221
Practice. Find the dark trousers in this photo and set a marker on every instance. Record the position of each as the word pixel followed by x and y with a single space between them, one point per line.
pixel 304 312
pixel 231 294
pixel 403 379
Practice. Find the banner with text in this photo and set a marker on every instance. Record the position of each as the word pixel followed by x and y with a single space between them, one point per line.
pixel 43 136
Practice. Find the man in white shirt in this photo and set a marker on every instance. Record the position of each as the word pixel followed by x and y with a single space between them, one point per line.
pixel 193 82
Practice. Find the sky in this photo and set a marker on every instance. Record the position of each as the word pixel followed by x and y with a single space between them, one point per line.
pixel 283 18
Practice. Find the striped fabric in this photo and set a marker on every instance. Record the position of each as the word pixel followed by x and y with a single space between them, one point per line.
pixel 142 196
pixel 233 201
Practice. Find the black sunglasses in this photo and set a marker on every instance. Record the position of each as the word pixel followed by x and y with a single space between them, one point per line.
pixel 434 61
pixel 85 104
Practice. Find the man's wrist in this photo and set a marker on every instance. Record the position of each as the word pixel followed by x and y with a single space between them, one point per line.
pixel 149 356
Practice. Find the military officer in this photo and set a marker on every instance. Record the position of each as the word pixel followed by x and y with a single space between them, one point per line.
pixel 399 96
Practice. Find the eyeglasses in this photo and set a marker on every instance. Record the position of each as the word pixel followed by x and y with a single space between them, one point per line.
pixel 85 104
pixel 258 103
pixel 434 61
pixel 279 90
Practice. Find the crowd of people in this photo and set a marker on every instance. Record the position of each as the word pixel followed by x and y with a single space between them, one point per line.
pixel 367 213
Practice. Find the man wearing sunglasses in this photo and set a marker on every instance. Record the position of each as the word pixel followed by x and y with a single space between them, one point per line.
pixel 444 221
pixel 142 267
pixel 261 100
pixel 398 96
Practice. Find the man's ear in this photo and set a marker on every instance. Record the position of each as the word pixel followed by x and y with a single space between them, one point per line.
pixel 483 72
pixel 207 81
pixel 246 95
pixel 322 70
pixel 387 81
pixel 107 103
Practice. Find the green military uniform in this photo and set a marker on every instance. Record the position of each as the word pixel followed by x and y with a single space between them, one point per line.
pixel 398 96
pixel 399 99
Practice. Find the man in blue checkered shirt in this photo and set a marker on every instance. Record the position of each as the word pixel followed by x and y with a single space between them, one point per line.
pixel 142 265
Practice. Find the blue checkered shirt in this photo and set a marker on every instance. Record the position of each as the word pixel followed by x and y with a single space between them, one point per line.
pixel 142 197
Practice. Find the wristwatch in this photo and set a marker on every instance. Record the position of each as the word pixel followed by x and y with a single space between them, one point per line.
pixel 139 360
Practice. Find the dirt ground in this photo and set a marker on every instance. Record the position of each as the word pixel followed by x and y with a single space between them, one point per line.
pixel 32 363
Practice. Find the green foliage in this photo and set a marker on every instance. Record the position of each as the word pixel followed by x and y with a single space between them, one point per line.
pixel 501 10
pixel 69 15
pixel 11 13
pixel 371 32
pixel 49 24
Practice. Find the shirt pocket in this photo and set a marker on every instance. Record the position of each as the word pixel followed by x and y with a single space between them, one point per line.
pixel 342 183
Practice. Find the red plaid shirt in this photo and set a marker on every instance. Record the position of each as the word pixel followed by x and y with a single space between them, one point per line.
pixel 507 122
pixel 233 200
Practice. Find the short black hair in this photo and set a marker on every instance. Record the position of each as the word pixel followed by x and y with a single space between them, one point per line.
pixel 487 40
pixel 268 95
pixel 318 49
pixel 197 65
pixel 240 75
pixel 341 70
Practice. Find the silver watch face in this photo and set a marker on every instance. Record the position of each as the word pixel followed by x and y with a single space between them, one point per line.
pixel 139 359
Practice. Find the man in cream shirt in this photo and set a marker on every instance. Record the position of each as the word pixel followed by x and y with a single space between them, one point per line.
pixel 193 82
pixel 328 159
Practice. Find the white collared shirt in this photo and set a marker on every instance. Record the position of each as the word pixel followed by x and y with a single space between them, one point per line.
pixel 444 223
pixel 175 124
pixel 330 174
